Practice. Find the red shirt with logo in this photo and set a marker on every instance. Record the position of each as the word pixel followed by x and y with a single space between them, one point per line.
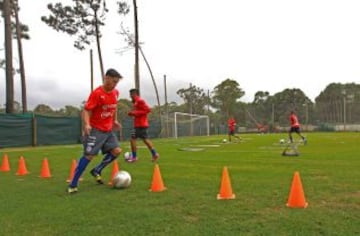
pixel 294 122
pixel 231 124
pixel 102 105
pixel 139 112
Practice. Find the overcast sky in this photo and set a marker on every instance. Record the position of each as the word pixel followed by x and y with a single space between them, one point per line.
pixel 266 45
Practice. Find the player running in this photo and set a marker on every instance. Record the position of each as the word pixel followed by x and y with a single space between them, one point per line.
pixel 295 127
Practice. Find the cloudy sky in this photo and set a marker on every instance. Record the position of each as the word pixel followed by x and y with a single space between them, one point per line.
pixel 266 45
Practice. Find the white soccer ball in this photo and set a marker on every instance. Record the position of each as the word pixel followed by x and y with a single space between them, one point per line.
pixel 224 140
pixel 127 156
pixel 122 179
pixel 282 141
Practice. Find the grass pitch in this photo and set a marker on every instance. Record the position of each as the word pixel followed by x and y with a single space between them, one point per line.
pixel 260 178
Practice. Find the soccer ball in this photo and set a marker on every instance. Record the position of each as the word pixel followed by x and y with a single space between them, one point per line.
pixel 282 141
pixel 127 156
pixel 122 179
pixel 224 140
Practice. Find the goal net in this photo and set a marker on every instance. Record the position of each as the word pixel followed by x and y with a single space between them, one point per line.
pixel 186 124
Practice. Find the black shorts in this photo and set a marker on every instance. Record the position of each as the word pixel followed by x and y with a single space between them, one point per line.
pixel 139 133
pixel 294 129
pixel 231 132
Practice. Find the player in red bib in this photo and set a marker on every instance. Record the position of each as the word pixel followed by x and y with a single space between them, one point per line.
pixel 99 119
pixel 231 126
pixel 295 127
pixel 140 112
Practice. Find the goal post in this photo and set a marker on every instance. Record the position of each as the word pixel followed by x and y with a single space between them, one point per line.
pixel 186 124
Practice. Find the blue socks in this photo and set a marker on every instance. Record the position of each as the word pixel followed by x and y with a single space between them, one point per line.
pixel 153 152
pixel 83 162
pixel 133 154
pixel 108 158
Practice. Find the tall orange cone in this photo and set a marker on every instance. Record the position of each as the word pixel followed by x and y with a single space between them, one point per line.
pixel 296 197
pixel 45 170
pixel 72 171
pixel 157 184
pixel 5 166
pixel 22 167
pixel 225 187
pixel 114 171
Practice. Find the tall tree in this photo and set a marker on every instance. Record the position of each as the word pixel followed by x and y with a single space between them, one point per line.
pixel 226 96
pixel 195 99
pixel 82 19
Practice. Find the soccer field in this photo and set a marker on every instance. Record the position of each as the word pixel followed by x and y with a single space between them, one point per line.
pixel 191 169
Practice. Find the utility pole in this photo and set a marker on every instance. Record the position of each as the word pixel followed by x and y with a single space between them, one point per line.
pixel 137 72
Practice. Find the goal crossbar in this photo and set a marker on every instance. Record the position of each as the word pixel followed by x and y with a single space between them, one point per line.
pixel 194 117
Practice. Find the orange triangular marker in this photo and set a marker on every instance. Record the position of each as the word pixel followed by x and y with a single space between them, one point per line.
pixel 157 184
pixel 22 167
pixel 45 169
pixel 114 171
pixel 296 196
pixel 5 166
pixel 225 187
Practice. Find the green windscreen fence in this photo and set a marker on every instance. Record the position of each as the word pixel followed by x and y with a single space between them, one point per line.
pixel 33 130
pixel 15 130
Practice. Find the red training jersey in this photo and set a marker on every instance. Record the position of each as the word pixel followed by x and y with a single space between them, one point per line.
pixel 231 124
pixel 140 111
pixel 102 105
pixel 294 122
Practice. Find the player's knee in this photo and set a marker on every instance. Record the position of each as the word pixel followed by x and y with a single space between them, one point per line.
pixel 116 151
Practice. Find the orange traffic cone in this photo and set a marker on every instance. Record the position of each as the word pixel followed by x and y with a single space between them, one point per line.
pixel 22 167
pixel 45 170
pixel 72 171
pixel 157 184
pixel 296 196
pixel 5 163
pixel 225 187
pixel 114 171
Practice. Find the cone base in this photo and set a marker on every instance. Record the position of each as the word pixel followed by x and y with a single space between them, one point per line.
pixel 45 177
pixel 219 197
pixel 22 173
pixel 157 190
pixel 292 206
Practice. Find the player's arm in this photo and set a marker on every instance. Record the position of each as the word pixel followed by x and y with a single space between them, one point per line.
pixel 116 123
pixel 86 119
pixel 141 109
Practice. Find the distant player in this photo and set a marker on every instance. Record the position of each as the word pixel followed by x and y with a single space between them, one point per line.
pixel 140 112
pixel 231 127
pixel 295 127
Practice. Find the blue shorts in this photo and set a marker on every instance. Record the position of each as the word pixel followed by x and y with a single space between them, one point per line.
pixel 99 140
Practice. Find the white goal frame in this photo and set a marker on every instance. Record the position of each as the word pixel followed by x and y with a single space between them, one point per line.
pixel 191 115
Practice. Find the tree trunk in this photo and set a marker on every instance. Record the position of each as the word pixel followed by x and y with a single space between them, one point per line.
pixel 98 45
pixel 8 57
pixel 21 60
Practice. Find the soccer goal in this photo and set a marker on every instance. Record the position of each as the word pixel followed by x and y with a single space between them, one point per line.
pixel 186 124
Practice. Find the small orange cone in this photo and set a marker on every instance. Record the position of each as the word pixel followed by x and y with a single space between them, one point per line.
pixel 225 187
pixel 72 171
pixel 5 164
pixel 22 167
pixel 157 184
pixel 296 196
pixel 45 170
pixel 114 171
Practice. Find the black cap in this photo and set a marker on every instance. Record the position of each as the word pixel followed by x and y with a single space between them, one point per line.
pixel 113 73
pixel 134 90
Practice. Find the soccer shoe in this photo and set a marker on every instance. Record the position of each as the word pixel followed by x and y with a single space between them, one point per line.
pixel 305 141
pixel 72 190
pixel 155 157
pixel 97 176
pixel 132 160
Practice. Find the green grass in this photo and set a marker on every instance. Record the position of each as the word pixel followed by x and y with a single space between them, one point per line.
pixel 260 178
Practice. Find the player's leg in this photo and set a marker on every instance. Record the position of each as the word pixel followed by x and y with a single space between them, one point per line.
pixel 145 137
pixel 302 137
pixel 112 151
pixel 92 145
pixel 290 135
pixel 134 136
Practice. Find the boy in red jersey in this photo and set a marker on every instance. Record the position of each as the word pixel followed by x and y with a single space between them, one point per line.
pixel 141 124
pixel 295 127
pixel 100 118
pixel 231 126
